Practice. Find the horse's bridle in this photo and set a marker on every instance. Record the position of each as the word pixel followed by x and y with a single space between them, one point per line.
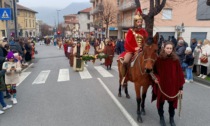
pixel 144 60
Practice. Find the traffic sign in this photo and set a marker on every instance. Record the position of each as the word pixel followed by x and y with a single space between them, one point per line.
pixel 5 13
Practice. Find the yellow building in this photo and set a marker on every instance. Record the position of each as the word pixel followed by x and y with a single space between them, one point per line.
pixel 26 19
pixel 3 4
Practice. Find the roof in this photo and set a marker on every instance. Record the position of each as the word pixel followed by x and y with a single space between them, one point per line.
pixel 87 10
pixel 70 15
pixel 20 7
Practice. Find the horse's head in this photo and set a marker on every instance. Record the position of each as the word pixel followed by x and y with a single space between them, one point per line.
pixel 150 53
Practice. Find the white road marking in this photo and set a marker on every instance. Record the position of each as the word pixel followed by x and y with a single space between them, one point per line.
pixel 103 72
pixel 42 77
pixel 85 74
pixel 122 109
pixel 63 75
pixel 28 67
pixel 23 76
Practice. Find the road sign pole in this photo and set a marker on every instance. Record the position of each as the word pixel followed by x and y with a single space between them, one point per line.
pixel 8 31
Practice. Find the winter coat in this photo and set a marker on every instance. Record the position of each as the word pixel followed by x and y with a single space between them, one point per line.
pixel 180 51
pixel 193 46
pixel 12 77
pixel 189 60
pixel 205 50
pixel 197 55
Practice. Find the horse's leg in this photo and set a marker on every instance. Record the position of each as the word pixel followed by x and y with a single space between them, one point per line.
pixel 119 90
pixel 138 100
pixel 143 104
pixel 143 100
pixel 126 90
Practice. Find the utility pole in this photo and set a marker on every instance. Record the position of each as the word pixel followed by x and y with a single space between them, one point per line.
pixel 15 17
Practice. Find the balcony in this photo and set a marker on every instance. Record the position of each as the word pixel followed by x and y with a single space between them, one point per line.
pixel 124 25
pixel 92 1
pixel 125 6
pixel 97 9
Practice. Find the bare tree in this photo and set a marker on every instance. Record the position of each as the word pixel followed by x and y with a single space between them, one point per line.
pixel 108 13
pixel 155 8
pixel 45 29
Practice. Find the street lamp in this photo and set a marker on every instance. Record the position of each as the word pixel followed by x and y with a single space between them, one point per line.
pixel 58 18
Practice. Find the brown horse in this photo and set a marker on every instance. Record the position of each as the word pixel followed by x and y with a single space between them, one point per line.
pixel 139 73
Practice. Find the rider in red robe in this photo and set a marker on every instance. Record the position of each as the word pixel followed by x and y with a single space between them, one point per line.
pixel 134 41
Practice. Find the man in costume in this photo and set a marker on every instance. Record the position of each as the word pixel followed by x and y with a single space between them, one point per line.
pixel 99 49
pixel 134 40
pixel 78 52
pixel 109 51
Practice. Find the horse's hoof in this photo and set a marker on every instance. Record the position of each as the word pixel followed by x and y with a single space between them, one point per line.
pixel 139 119
pixel 143 111
pixel 119 95
pixel 128 96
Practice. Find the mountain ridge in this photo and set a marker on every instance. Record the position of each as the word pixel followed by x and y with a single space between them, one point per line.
pixel 50 15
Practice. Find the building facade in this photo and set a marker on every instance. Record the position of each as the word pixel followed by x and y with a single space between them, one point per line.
pixel 71 25
pixel 26 21
pixel 186 19
pixel 4 25
pixel 98 24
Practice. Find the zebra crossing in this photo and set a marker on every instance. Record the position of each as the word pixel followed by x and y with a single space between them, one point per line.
pixel 64 74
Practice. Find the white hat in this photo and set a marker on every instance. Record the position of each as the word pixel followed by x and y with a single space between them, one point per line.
pixel 188 49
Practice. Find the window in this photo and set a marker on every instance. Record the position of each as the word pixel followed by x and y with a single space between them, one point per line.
pixel 29 23
pixel 3 32
pixel 18 12
pixel 118 2
pixel 88 26
pixel 118 17
pixel 0 3
pixel 88 15
pixel 167 14
pixel 26 23
pixel 199 35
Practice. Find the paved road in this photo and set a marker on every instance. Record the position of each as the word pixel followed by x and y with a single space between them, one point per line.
pixel 52 94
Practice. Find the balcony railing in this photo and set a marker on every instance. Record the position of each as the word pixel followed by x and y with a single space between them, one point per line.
pixel 91 1
pixel 127 5
pixel 123 24
pixel 97 9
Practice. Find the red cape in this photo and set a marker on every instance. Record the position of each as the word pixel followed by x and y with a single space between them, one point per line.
pixel 170 77
pixel 130 41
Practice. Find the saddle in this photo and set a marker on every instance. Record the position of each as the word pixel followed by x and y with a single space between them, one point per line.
pixel 132 61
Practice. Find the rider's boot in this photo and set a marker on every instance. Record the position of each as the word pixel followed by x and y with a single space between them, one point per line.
pixel 124 71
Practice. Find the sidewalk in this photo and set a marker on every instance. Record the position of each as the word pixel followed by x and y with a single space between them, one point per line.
pixel 202 81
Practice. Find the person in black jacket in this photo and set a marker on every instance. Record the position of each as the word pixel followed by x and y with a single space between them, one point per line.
pixel 189 60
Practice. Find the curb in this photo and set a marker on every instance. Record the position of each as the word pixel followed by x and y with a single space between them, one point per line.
pixel 202 81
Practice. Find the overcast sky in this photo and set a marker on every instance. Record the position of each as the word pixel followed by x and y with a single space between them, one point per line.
pixel 48 3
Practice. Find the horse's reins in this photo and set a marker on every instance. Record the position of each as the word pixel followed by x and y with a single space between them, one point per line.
pixel 179 95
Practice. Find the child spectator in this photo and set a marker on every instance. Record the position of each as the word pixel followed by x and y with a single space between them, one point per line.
pixel 189 60
pixel 12 76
